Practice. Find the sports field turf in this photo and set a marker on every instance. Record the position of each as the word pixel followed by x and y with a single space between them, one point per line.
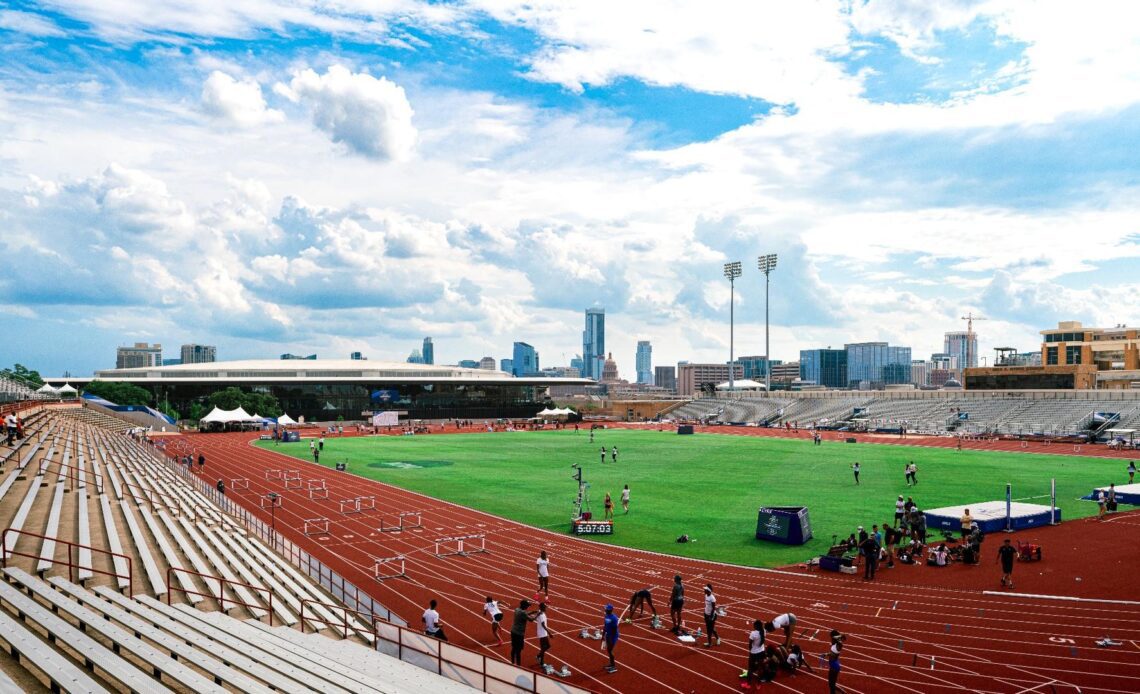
pixel 707 486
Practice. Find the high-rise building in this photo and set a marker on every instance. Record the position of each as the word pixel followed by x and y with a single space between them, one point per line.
pixel 920 372
pixel 524 360
pixel 576 363
pixel 784 375
pixel 428 351
pixel 140 355
pixel 594 343
pixel 962 345
pixel 487 363
pixel 693 379
pixel 644 362
pixel 876 364
pixel 824 367
pixel 507 366
pixel 756 368
pixel 468 364
pixel 199 354
pixel 665 377
pixel 357 356
pixel 415 357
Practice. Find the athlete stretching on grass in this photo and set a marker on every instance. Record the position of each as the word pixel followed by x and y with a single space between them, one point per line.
pixel 855 469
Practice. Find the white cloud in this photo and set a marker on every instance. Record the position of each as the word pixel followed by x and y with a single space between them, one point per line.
pixel 370 116
pixel 240 103
pixel 29 23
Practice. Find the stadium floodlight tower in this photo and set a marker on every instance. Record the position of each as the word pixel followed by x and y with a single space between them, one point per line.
pixel 767 263
pixel 731 271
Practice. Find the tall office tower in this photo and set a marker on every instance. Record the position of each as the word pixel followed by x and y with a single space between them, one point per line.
pixel 594 343
pixel 199 354
pixel 524 361
pixel 665 377
pixel 507 366
pixel 644 362
pixel 576 363
pixel 415 357
pixel 428 351
pixel 876 364
pixel 824 367
pixel 487 363
pixel 141 354
pixel 961 343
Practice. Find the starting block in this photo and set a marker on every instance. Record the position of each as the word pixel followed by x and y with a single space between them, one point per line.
pixel 238 484
pixel 459 546
pixel 357 504
pixel 316 526
pixel 390 567
pixel 273 474
pixel 317 490
pixel 405 521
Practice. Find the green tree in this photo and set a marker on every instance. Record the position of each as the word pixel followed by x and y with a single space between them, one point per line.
pixel 24 375
pixel 195 412
pixel 120 393
pixel 264 404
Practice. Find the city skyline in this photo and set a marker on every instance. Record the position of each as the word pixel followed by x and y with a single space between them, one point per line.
pixel 312 178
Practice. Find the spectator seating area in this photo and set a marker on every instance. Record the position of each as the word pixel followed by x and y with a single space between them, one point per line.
pixel 102 529
pixel 991 415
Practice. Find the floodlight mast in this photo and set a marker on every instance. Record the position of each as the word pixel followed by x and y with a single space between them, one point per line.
pixel 767 263
pixel 731 272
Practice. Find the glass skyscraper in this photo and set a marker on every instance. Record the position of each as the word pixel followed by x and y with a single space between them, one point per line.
pixel 594 343
pixel 644 362
pixel 877 363
pixel 428 351
pixel 525 360
pixel 756 368
pixel 959 344
pixel 824 367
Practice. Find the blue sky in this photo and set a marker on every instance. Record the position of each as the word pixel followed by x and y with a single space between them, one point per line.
pixel 299 177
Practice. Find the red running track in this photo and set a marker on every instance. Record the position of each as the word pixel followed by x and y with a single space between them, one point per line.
pixel 909 632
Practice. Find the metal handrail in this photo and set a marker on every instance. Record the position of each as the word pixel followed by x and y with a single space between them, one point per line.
pixel 221 590
pixel 71 562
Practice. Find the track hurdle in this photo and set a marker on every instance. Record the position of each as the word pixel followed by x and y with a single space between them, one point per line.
pixel 317 490
pixel 357 504
pixel 405 521
pixel 238 484
pixel 274 474
pixel 459 546
pixel 316 526
pixel 389 567
pixel 292 479
pixel 269 501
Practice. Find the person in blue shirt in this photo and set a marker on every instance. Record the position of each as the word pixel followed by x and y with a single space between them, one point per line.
pixel 610 636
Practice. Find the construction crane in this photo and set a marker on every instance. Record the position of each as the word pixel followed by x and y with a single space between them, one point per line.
pixel 969 318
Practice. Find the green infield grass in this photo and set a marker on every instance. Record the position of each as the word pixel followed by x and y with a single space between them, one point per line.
pixel 707 486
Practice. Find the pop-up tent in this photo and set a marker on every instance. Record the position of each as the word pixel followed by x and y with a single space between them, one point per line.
pixel 285 420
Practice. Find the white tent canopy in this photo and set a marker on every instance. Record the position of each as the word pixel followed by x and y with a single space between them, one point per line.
pixel 66 389
pixel 286 420
pixel 227 416
pixel 742 384
pixel 546 412
pixel 47 388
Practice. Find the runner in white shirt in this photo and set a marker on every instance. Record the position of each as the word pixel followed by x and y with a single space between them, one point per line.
pixel 543 634
pixel 432 626
pixel 900 509
pixel 787 622
pixel 755 650
pixel 491 609
pixel 710 616
pixel 625 498
pixel 543 565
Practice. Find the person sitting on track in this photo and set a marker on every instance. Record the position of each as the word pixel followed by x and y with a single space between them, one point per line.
pixel 939 557
pixel 639 600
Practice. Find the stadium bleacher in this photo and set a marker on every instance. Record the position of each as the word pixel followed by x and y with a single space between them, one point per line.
pixel 76 546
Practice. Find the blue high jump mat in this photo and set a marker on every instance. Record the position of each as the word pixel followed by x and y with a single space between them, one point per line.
pixel 1125 494
pixel 991 516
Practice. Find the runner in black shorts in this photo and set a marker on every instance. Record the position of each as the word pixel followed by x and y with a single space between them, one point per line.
pixel 639 600
pixel 676 604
